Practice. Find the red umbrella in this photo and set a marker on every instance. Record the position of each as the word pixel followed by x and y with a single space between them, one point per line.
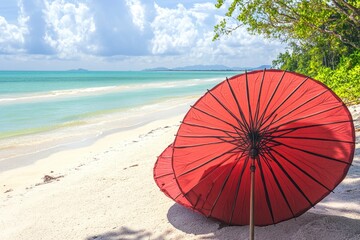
pixel 272 142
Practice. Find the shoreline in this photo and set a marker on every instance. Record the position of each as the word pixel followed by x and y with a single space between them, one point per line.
pixel 96 128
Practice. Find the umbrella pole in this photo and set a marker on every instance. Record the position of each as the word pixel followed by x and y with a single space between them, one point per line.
pixel 252 169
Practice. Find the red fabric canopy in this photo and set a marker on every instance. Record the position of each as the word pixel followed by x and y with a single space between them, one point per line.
pixel 298 132
pixel 164 178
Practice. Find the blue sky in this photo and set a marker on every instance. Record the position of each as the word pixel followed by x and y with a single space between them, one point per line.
pixel 122 35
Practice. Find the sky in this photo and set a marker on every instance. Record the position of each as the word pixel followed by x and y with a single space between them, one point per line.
pixel 123 35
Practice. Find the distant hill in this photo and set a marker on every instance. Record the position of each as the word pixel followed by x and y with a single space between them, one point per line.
pixel 260 67
pixel 208 68
pixel 78 70
pixel 203 68
pixel 158 69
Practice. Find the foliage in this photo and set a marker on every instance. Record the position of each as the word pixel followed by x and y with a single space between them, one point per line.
pixel 294 19
pixel 323 36
pixel 345 79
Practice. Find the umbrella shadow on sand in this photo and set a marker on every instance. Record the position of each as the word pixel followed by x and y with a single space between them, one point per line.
pixel 127 233
pixel 308 226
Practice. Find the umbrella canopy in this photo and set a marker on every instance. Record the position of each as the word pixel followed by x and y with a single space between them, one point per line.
pixel 296 133
pixel 165 180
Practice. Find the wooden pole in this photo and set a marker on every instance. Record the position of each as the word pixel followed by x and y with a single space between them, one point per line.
pixel 252 169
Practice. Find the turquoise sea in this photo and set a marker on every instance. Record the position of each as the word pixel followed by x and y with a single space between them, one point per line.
pixel 38 106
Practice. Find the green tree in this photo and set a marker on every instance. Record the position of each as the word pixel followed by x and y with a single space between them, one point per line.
pixel 323 36
pixel 294 19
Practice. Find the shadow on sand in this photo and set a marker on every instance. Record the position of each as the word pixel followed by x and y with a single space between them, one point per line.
pixel 125 233
pixel 308 226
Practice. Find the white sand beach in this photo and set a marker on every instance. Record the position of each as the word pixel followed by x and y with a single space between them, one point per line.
pixel 106 191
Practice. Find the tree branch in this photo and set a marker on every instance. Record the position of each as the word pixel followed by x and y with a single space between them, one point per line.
pixel 350 16
pixel 349 6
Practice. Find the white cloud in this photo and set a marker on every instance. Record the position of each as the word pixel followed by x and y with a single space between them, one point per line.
pixel 137 10
pixel 118 30
pixel 131 34
pixel 188 33
pixel 11 37
pixel 174 30
pixel 79 28
pixel 69 28
pixel 202 12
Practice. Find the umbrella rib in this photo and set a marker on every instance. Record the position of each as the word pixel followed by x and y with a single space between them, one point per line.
pixel 285 100
pixel 240 135
pixel 238 105
pixel 164 175
pixel 268 202
pixel 300 169
pixel 301 105
pixel 202 144
pixel 310 138
pixel 197 201
pixel 178 195
pixel 210 115
pixel 309 152
pixel 271 98
pixel 208 194
pixel 238 186
pixel 277 183
pixel 207 127
pixel 266 143
pixel 222 188
pixel 305 117
pixel 313 125
pixel 228 110
pixel 222 138
pixel 208 174
pixel 207 162
pixel 258 101
pixel 289 177
pixel 264 131
pixel 212 170
pixel 204 136
pixel 248 101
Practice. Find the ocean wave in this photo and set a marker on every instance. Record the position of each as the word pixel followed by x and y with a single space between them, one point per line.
pixel 79 92
pixel 39 142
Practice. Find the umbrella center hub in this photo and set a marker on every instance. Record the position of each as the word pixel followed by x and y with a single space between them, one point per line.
pixel 254 152
pixel 254 139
